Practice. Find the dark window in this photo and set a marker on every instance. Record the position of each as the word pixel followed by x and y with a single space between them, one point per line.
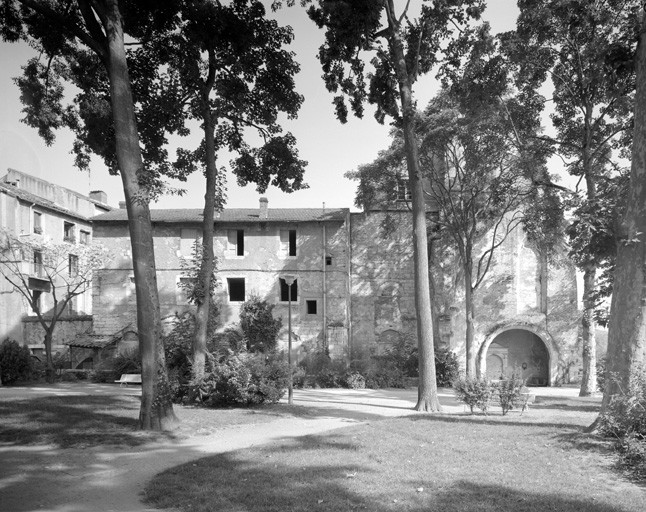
pixel 68 232
pixel 284 290
pixel 328 260
pixel 292 242
pixel 73 265
pixel 236 289
pixel 84 237
pixel 38 226
pixel 38 263
pixel 36 301
pixel 311 307
pixel 240 242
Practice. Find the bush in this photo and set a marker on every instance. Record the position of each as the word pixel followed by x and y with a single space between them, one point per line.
pixel 244 379
pixel 447 368
pixel 474 392
pixel 355 380
pixel 229 340
pixel 15 362
pixel 258 325
pixel 601 374
pixel 509 392
pixel 625 420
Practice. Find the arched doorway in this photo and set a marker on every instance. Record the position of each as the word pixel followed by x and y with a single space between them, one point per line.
pixel 518 352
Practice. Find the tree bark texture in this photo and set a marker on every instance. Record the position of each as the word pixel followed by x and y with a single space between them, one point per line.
pixel 49 365
pixel 427 399
pixel 156 411
pixel 588 339
pixel 627 332
pixel 469 311
pixel 208 258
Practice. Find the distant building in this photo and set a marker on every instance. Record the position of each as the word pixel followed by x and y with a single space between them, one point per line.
pixel 32 206
pixel 354 293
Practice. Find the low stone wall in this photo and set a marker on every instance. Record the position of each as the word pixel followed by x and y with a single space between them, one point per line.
pixel 66 329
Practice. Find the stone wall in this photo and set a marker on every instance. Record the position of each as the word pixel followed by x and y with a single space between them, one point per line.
pixel 66 329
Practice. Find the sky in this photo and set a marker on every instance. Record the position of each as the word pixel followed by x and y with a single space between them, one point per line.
pixel 330 148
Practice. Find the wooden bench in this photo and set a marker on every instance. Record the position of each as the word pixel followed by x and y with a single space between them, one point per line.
pixel 129 378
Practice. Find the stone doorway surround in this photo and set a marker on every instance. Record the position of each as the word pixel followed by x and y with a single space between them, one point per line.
pixel 544 336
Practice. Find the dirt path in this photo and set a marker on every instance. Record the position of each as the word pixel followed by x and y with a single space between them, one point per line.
pixel 106 478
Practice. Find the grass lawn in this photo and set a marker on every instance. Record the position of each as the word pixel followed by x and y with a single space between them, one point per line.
pixel 82 420
pixel 541 461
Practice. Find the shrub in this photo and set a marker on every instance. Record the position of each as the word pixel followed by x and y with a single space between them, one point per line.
pixel 229 340
pixel 601 374
pixel 447 368
pixel 625 420
pixel 355 380
pixel 244 379
pixel 127 361
pixel 258 325
pixel 15 362
pixel 509 392
pixel 474 392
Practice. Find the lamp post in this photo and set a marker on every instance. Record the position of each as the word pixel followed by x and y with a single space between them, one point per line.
pixel 289 281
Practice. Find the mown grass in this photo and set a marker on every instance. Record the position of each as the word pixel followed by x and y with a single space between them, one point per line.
pixel 419 463
pixel 81 420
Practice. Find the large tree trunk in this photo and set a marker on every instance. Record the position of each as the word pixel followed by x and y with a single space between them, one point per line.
pixel 208 259
pixel 627 334
pixel 156 407
pixel 427 399
pixel 469 311
pixel 588 340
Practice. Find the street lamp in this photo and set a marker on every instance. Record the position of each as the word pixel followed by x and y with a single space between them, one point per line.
pixel 289 281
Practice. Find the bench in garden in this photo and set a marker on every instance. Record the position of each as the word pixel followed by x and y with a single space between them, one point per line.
pixel 129 378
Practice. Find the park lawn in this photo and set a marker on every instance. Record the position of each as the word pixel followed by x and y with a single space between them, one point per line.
pixel 444 463
pixel 82 420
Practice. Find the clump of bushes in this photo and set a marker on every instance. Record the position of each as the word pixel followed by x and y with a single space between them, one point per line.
pixel 509 392
pixel 16 363
pixel 625 420
pixel 474 392
pixel 242 364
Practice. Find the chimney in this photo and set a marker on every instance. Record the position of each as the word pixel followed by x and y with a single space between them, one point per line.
pixel 264 208
pixel 17 183
pixel 122 205
pixel 99 195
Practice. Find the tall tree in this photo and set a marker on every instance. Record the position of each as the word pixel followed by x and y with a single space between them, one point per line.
pixel 402 48
pixel 228 70
pixel 63 270
pixel 577 44
pixel 627 334
pixel 82 43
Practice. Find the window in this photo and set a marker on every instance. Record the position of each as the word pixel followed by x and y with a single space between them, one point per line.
pixel 36 302
pixel 84 237
pixel 328 260
pixel 403 191
pixel 38 226
pixel 288 242
pixel 235 239
pixel 38 263
pixel 284 290
pixel 311 307
pixel 236 287
pixel 73 265
pixel 69 233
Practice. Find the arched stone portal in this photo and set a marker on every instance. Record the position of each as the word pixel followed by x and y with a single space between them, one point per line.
pixel 520 351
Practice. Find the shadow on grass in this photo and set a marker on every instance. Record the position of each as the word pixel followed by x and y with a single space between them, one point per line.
pixel 72 421
pixel 233 481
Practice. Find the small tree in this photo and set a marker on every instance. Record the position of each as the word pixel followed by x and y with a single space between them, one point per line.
pixel 62 270
pixel 259 326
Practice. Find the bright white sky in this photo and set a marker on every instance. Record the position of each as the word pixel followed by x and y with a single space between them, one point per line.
pixel 330 147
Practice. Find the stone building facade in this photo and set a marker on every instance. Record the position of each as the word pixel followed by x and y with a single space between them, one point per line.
pixel 354 285
pixel 35 207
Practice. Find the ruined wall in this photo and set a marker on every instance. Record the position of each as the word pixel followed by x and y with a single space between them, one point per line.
pixel 521 290
pixel 66 329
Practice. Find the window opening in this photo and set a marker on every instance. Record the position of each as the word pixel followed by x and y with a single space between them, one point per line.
pixel 38 226
pixel 68 232
pixel 311 307
pixel 73 265
pixel 38 263
pixel 236 287
pixel 284 290
pixel 328 260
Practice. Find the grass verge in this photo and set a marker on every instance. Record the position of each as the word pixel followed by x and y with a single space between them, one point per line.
pixel 418 463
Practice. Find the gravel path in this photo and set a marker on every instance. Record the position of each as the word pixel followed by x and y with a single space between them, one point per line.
pixel 106 479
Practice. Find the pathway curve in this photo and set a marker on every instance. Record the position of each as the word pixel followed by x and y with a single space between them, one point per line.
pixel 107 479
